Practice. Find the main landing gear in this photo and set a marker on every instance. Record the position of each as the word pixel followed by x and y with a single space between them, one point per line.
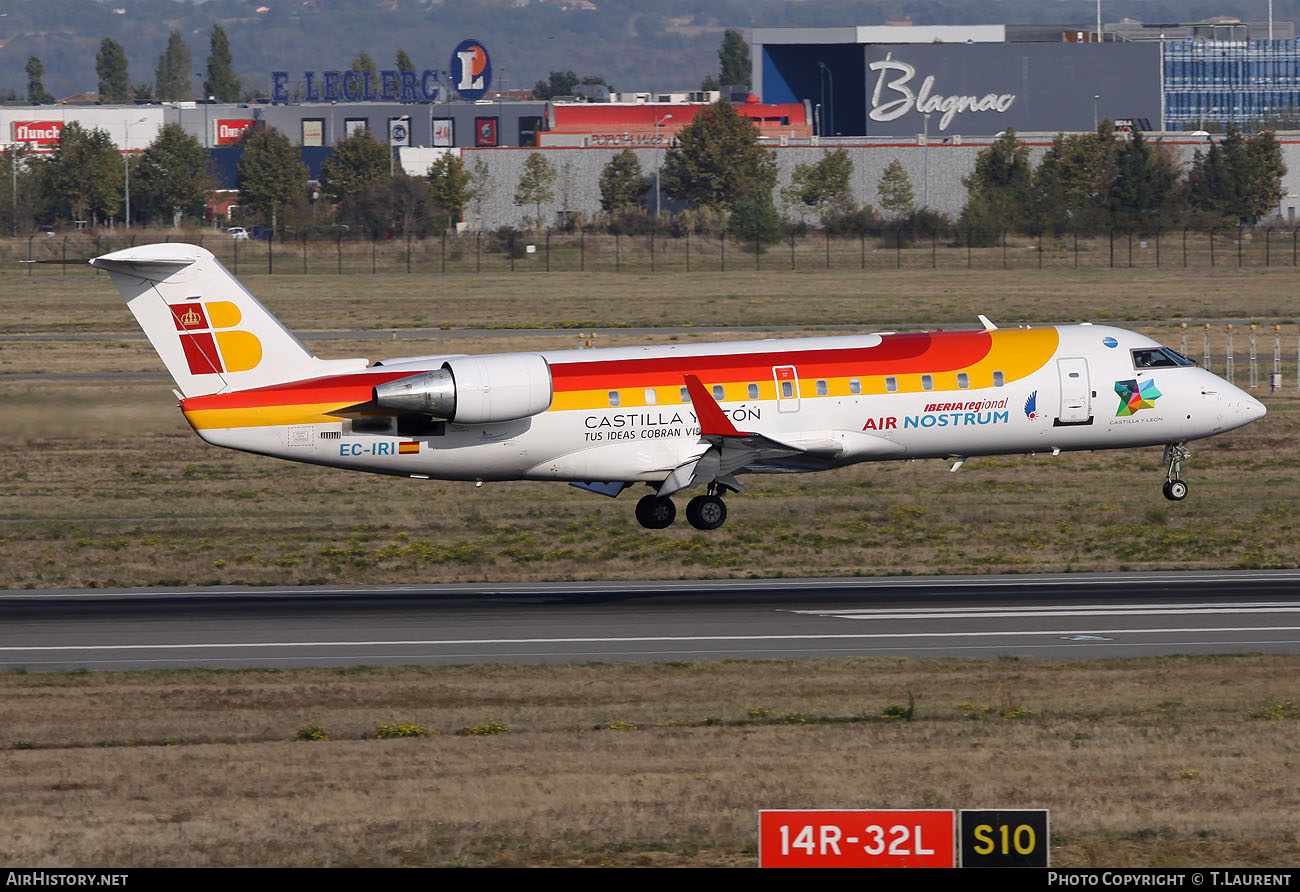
pixel 706 512
pixel 1175 490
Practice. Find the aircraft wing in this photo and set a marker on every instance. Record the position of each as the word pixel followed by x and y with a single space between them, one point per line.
pixel 732 450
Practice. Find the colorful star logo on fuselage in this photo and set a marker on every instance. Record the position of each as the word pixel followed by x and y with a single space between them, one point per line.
pixel 1136 395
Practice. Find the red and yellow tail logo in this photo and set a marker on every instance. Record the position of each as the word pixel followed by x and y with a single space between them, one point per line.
pixel 210 347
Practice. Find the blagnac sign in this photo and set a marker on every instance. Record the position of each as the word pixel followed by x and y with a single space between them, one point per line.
pixel 894 95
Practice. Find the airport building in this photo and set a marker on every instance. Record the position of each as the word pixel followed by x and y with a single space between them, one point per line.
pixel 982 79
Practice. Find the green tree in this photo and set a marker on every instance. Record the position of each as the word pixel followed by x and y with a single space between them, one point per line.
pixel 404 62
pixel 1144 184
pixel 895 188
pixel 19 171
pixel 754 219
pixel 717 161
pixel 110 66
pixel 83 178
pixel 221 83
pixel 710 84
pixel 363 62
pixel 561 83
pixel 481 176
pixel 36 91
pixel 171 177
pixel 451 185
pixel 1237 180
pixel 1071 187
pixel 359 160
pixel 536 184
pixel 999 189
pixel 396 205
pixel 1266 170
pixel 733 58
pixel 622 184
pixel 271 178
pixel 172 77
pixel 821 185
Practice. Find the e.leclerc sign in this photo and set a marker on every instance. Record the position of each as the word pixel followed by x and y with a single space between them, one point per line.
pixel 360 86
pixel 470 72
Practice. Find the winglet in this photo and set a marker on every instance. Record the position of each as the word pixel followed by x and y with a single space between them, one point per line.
pixel 988 326
pixel 713 421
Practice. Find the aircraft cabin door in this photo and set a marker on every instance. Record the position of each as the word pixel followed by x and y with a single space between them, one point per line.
pixel 1076 391
pixel 787 388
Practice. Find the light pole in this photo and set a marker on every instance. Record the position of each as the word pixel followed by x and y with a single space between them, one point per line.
pixel 828 98
pixel 925 154
pixel 1095 99
pixel 13 167
pixel 658 121
pixel 126 167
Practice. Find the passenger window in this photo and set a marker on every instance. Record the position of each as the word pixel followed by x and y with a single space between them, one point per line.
pixel 651 396
pixel 927 382
pixel 998 379
pixel 753 391
pixel 613 397
pixel 891 384
pixel 821 388
pixel 717 392
pixel 686 394
pixel 963 380
pixel 855 385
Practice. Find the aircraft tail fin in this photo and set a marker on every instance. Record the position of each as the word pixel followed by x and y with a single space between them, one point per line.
pixel 210 332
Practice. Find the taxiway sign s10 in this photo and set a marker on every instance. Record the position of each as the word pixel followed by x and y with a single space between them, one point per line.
pixel 676 418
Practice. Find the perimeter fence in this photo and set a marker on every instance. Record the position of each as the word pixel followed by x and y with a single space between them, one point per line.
pixel 585 251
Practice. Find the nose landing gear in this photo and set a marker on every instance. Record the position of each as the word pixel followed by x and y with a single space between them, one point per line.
pixel 1175 490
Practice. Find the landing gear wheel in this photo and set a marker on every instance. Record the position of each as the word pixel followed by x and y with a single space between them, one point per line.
pixel 655 512
pixel 706 512
pixel 1175 489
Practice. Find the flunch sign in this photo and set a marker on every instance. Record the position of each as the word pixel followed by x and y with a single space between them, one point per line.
pixel 229 131
pixel 41 133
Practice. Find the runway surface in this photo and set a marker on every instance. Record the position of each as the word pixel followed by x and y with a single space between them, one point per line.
pixel 1074 616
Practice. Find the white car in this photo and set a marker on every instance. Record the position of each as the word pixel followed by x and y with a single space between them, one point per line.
pixel 237 232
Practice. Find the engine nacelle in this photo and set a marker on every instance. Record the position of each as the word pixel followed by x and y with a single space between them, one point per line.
pixel 474 389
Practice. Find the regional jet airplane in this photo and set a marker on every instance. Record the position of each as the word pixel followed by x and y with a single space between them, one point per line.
pixel 673 417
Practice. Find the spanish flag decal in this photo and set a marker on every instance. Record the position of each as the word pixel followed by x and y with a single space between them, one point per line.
pixel 411 448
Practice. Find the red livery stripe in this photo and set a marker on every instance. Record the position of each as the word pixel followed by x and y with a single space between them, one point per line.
pixel 900 354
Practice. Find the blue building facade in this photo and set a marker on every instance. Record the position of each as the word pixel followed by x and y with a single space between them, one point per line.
pixel 1250 83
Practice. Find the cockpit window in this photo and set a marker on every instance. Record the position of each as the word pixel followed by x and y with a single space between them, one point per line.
pixel 1159 358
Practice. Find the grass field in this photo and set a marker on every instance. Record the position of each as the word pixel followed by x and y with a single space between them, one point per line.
pixel 1145 762
pixel 1159 762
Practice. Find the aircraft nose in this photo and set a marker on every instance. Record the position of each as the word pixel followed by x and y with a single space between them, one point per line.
pixel 1242 406
pixel 1252 408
